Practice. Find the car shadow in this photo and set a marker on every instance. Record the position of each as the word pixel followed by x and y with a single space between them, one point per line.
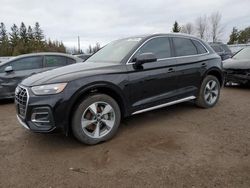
pixel 6 101
pixel 237 86
pixel 143 120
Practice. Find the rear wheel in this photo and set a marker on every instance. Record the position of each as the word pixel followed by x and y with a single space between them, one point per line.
pixel 209 92
pixel 96 119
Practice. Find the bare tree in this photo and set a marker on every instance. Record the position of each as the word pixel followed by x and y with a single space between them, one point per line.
pixel 216 27
pixel 188 28
pixel 202 26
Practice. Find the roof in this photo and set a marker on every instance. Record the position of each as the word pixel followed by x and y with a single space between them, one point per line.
pixel 146 36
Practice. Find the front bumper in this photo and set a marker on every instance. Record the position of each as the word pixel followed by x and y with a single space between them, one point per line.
pixel 237 78
pixel 43 114
pixel 240 76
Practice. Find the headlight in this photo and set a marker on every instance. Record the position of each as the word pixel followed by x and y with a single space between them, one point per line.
pixel 48 89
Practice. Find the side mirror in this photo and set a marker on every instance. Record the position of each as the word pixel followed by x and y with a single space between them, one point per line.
pixel 145 58
pixel 8 69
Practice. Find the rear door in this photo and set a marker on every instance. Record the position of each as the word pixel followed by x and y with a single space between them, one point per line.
pixel 22 68
pixel 191 60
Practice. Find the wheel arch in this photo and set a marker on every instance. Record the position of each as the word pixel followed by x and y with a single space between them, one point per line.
pixel 97 88
pixel 217 73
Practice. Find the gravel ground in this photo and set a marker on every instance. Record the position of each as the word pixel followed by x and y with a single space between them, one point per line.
pixel 178 146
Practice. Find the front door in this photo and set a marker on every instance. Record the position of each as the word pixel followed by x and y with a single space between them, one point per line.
pixel 153 83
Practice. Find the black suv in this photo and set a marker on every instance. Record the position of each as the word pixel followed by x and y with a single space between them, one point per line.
pixel 126 77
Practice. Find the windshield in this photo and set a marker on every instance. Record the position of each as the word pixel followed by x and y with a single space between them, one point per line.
pixel 114 51
pixel 217 48
pixel 243 54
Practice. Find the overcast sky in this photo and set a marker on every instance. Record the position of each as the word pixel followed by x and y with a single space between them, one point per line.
pixel 106 20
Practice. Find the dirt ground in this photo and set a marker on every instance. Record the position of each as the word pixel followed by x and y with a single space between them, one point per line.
pixel 178 146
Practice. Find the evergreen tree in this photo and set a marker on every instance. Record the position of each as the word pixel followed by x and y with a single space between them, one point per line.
pixel 23 33
pixel 244 36
pixel 38 33
pixel 4 41
pixel 234 36
pixel 30 34
pixel 176 28
pixel 14 36
pixel 22 40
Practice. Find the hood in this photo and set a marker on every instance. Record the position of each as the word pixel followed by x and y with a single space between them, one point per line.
pixel 236 64
pixel 70 72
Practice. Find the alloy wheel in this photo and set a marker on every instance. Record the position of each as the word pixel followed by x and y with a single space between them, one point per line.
pixel 98 119
pixel 211 92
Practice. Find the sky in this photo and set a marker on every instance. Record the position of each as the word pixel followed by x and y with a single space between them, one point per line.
pixel 106 20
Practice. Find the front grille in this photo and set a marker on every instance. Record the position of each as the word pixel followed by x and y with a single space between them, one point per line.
pixel 21 98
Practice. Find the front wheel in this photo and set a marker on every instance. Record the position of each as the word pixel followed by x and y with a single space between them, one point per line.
pixel 209 92
pixel 96 119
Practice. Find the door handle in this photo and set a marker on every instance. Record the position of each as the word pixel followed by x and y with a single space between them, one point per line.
pixel 203 65
pixel 171 70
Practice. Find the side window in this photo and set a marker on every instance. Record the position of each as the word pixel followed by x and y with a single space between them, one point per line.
pixel 159 46
pixel 70 61
pixel 200 48
pixel 55 61
pixel 184 47
pixel 27 63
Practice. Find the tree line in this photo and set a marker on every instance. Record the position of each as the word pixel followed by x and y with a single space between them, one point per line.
pixel 210 28
pixel 22 40
pixel 239 37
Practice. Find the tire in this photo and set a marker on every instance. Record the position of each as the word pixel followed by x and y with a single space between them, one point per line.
pixel 203 100
pixel 90 116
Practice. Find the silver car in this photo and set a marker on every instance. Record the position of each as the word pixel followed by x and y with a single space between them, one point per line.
pixel 13 71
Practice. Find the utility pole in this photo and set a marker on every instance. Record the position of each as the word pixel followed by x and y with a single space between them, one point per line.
pixel 79 50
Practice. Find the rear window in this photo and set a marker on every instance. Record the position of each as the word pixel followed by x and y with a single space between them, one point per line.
pixel 55 61
pixel 184 47
pixel 200 48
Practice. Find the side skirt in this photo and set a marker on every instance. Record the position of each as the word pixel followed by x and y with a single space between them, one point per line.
pixel 164 105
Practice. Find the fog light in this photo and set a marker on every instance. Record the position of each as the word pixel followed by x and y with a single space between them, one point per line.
pixel 40 117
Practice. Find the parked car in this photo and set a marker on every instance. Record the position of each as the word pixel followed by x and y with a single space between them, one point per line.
pixel 12 72
pixel 124 78
pixel 222 50
pixel 84 57
pixel 237 68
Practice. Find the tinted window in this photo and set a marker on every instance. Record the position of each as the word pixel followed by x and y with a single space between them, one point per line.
pixel 70 61
pixel 184 47
pixel 55 61
pixel 26 63
pixel 200 48
pixel 159 46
